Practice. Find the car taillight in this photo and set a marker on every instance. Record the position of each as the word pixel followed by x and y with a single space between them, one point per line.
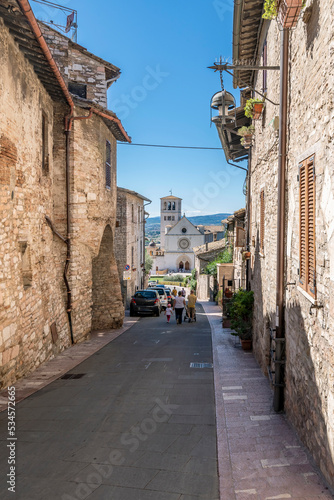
pixel 133 301
pixel 156 301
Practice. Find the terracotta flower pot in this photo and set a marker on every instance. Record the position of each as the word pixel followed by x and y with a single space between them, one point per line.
pixel 288 12
pixel 257 110
pixel 246 344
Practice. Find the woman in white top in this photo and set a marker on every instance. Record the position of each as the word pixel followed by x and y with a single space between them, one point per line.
pixel 178 306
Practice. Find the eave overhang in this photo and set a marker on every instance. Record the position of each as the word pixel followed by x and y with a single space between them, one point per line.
pixel 247 24
pixel 33 46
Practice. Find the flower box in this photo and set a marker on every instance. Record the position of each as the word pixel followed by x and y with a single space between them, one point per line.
pixel 288 12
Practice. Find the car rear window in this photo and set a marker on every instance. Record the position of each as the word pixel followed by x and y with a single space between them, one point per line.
pixel 146 294
pixel 160 291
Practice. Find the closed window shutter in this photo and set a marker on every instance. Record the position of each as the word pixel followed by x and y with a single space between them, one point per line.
pixel 311 227
pixel 307 226
pixel 108 164
pixel 262 208
pixel 302 225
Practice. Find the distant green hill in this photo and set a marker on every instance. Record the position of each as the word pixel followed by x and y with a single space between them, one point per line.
pixel 152 227
pixel 205 220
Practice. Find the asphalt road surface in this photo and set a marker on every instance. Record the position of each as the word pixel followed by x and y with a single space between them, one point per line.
pixel 137 424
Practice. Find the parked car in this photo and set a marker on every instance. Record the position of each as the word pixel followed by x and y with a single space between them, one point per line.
pixel 163 296
pixel 169 294
pixel 145 301
pixel 152 283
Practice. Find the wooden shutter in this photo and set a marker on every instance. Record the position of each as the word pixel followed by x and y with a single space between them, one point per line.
pixel 241 237
pixel 307 276
pixel 262 208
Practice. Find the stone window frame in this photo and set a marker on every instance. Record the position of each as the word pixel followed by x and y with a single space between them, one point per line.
pixel 307 227
pixel 108 165
pixel 45 144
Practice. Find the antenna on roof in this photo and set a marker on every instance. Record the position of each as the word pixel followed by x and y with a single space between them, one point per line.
pixel 171 191
pixel 58 13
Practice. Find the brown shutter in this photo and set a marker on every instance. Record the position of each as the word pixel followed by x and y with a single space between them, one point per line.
pixel 262 208
pixel 311 226
pixel 302 224
pixel 307 226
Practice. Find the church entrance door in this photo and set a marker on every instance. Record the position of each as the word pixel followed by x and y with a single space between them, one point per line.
pixel 187 266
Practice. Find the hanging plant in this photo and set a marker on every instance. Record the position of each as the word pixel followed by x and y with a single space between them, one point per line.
pixel 270 9
pixel 253 108
pixel 245 131
pixel 247 134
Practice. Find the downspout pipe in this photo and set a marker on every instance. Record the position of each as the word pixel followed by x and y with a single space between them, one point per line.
pixel 281 223
pixel 249 178
pixel 27 11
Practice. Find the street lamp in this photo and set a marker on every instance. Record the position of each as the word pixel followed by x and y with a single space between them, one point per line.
pixel 224 102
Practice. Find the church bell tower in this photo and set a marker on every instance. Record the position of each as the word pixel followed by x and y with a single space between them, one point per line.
pixel 170 214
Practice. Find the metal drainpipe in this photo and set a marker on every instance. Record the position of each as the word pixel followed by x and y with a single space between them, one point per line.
pixel 248 218
pixel 68 233
pixel 280 333
pixel 68 128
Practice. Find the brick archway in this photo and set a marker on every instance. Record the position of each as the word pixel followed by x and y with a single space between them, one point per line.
pixel 107 307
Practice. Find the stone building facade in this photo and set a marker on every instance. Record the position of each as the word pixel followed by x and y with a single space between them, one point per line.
pixel 308 212
pixel 130 241
pixel 59 277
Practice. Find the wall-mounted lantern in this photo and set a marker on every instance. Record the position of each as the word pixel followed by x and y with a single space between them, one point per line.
pixel 224 102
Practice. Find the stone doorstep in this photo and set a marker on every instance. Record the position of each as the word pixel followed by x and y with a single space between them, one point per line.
pixel 51 370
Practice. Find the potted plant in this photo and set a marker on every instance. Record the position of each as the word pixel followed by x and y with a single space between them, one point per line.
pixel 241 313
pixel 287 11
pixel 254 108
pixel 246 135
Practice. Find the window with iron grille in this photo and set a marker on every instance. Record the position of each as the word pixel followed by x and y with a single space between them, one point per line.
pixel 307 277
pixel 262 209
pixel 108 164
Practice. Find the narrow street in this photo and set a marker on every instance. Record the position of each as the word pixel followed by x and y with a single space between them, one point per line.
pixel 143 419
pixel 139 424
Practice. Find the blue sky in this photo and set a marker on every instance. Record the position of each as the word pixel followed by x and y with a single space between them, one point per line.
pixel 163 94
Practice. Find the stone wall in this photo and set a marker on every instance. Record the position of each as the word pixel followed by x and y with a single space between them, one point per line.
pixel 309 372
pixel 93 222
pixel 78 66
pixel 31 294
pixel 129 246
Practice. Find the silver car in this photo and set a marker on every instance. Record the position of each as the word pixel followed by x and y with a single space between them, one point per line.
pixel 163 296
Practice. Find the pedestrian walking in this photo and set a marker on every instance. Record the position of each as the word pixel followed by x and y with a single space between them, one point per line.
pixel 168 312
pixel 191 305
pixel 178 306
pixel 183 292
pixel 174 292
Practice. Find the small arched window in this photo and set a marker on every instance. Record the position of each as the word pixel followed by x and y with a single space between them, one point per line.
pixel 169 205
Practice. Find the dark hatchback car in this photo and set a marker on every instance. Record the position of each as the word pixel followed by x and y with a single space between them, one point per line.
pixel 145 301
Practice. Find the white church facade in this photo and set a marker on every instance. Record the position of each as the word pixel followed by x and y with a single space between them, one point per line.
pixel 178 237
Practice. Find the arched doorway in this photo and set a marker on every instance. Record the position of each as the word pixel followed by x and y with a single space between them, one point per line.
pixel 107 308
pixel 187 266
pixel 181 265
